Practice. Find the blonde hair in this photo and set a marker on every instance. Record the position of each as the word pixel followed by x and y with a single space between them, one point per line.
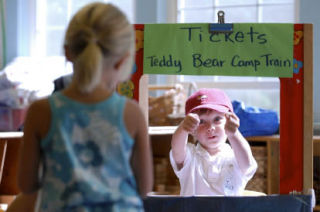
pixel 98 34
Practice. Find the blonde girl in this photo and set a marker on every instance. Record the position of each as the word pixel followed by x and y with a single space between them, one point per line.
pixel 89 143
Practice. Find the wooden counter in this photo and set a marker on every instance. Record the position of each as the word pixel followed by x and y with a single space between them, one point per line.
pixel 160 138
pixel 9 149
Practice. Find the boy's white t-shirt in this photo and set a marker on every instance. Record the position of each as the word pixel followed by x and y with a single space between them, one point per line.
pixel 203 174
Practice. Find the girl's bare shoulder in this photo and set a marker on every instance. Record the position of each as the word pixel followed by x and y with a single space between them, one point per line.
pixel 39 106
pixel 39 116
pixel 133 105
pixel 134 116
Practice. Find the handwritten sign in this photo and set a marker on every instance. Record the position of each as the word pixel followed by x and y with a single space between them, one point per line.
pixel 189 49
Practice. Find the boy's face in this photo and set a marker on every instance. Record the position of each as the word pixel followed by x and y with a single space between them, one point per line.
pixel 211 133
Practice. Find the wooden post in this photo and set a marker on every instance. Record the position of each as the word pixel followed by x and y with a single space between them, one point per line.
pixel 308 108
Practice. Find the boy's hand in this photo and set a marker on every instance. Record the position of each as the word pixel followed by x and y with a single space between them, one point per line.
pixel 232 123
pixel 190 123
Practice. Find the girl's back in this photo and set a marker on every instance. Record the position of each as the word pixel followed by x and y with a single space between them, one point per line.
pixel 87 153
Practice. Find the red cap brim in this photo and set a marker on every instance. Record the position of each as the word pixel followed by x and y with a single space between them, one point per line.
pixel 219 108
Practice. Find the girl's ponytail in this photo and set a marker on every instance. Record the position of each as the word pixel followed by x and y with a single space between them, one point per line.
pixel 89 67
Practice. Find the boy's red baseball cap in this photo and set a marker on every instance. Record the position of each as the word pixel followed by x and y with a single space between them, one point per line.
pixel 208 98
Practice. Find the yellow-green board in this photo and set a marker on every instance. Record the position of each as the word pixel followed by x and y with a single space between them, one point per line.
pixel 190 49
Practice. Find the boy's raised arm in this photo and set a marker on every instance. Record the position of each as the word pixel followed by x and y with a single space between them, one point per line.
pixel 180 138
pixel 239 144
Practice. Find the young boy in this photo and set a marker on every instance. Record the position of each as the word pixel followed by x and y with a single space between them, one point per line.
pixel 211 166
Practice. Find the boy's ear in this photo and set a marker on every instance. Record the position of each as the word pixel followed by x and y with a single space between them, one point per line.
pixel 122 60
